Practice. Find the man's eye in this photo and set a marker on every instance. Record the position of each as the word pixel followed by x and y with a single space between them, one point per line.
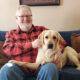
pixel 21 16
pixel 25 16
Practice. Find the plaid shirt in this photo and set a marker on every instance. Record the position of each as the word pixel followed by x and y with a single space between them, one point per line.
pixel 18 44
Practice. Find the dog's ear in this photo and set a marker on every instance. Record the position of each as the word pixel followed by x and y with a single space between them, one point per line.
pixel 41 37
pixel 60 38
pixel 61 41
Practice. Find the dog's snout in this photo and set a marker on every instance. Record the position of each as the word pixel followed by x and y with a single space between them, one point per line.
pixel 50 46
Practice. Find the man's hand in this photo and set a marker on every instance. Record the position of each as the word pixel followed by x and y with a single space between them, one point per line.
pixel 36 43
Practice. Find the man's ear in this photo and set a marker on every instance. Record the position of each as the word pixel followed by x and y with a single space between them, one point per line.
pixel 41 37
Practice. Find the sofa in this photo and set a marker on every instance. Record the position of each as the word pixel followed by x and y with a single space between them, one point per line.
pixel 69 72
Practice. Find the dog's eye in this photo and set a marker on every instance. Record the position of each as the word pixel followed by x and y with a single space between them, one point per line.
pixel 46 37
pixel 54 37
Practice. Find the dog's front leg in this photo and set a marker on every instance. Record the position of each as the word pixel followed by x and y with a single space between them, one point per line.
pixel 26 64
pixel 47 57
pixel 47 60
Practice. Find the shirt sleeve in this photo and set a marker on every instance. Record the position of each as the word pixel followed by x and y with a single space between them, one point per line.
pixel 63 44
pixel 13 48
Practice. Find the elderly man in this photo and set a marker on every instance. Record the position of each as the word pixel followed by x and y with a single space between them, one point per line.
pixel 21 44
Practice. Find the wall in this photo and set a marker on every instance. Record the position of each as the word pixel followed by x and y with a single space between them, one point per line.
pixel 63 17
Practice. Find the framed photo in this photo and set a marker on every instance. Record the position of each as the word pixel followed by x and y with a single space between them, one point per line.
pixel 39 2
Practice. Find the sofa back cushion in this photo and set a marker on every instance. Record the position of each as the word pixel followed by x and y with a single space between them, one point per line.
pixel 67 35
pixel 75 41
pixel 2 35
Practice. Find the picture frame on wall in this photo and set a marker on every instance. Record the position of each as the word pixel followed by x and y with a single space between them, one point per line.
pixel 39 2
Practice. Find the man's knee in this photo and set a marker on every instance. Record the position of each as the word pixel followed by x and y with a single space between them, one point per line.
pixel 50 67
pixel 7 68
pixel 48 71
pixel 11 71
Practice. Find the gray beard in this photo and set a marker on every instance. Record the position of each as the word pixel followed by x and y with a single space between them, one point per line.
pixel 26 28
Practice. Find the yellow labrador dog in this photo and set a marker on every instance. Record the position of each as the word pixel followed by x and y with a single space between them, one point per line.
pixel 51 41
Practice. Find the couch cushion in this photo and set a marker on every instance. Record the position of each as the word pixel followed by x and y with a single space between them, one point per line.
pixel 67 35
pixel 75 41
pixel 69 73
pixel 2 35
pixel 3 57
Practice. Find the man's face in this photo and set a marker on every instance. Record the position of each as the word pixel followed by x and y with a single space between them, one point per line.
pixel 24 19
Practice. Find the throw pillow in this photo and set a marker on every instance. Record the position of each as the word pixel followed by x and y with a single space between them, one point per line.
pixel 3 58
pixel 75 41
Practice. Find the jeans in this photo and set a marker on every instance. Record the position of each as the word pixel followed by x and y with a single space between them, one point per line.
pixel 12 71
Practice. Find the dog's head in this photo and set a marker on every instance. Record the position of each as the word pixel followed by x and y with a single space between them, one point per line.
pixel 50 39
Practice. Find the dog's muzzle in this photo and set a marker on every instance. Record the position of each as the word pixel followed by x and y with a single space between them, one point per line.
pixel 50 46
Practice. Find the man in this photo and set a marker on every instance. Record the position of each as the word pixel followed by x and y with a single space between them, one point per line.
pixel 21 44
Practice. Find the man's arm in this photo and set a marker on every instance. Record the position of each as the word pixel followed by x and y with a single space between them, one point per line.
pixel 11 47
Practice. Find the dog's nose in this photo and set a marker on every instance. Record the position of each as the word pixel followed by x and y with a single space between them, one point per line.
pixel 50 46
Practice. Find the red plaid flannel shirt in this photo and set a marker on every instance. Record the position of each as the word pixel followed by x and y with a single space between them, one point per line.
pixel 18 44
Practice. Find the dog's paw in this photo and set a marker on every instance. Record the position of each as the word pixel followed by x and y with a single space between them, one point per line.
pixel 43 62
pixel 16 62
pixel 78 68
pixel 12 61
